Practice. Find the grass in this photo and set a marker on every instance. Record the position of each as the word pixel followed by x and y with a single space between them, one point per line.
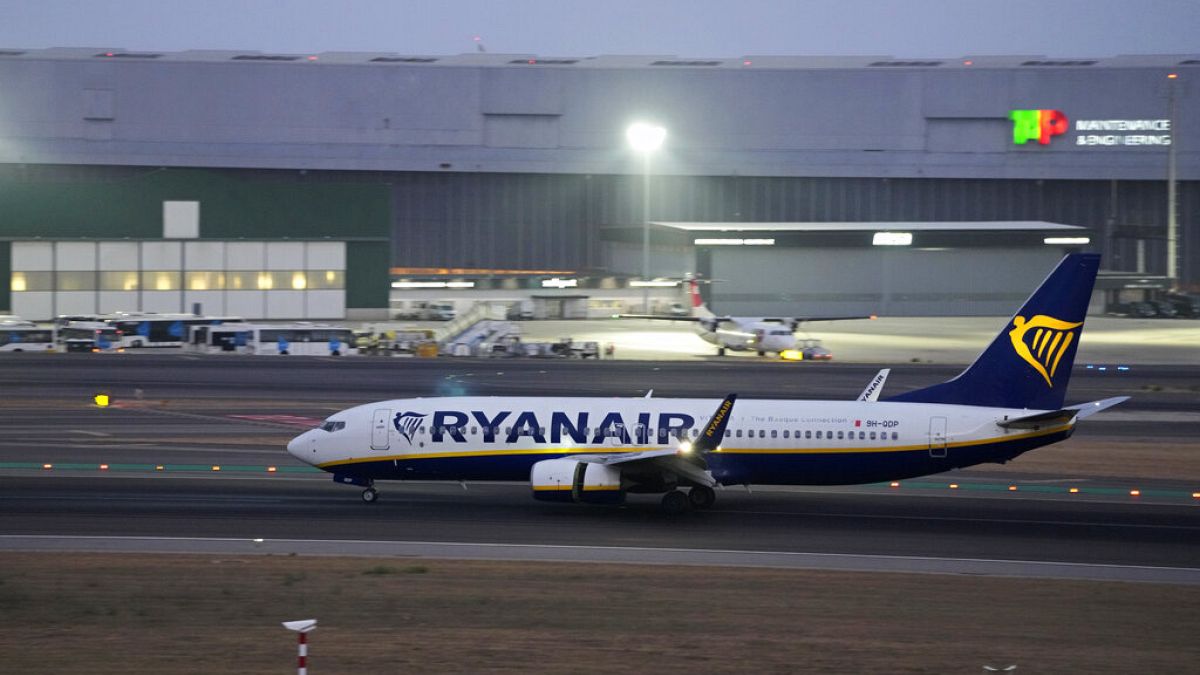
pixel 111 613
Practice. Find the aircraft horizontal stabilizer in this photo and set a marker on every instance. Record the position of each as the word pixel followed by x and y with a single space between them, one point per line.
pixel 1062 416
pixel 1092 407
pixel 1039 420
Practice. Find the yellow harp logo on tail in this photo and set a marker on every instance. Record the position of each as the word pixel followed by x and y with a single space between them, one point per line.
pixel 1050 339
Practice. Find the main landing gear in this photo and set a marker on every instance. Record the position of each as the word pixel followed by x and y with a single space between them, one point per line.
pixel 678 501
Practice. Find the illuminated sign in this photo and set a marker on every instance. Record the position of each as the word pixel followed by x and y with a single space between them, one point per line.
pixel 1037 124
pixel 1043 125
pixel 1129 132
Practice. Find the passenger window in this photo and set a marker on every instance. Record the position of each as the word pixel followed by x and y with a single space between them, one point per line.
pixel 774 434
pixel 785 433
pixel 738 433
pixel 862 435
pixel 895 436
pixel 808 434
pixel 872 435
pixel 840 435
pixel 818 434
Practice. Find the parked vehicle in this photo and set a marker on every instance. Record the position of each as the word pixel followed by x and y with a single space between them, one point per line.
pixel 1185 305
pixel 1136 310
pixel 1163 309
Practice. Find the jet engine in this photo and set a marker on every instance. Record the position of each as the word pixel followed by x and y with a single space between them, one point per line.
pixel 569 480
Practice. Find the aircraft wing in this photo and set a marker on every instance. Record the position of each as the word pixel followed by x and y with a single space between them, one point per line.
pixel 686 461
pixel 685 464
pixel 795 321
pixel 668 317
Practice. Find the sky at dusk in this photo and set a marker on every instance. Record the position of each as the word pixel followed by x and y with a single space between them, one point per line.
pixel 712 28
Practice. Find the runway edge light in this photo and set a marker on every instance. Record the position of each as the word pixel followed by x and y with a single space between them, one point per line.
pixel 101 399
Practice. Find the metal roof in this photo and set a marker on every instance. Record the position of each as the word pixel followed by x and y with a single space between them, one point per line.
pixel 650 61
pixel 977 226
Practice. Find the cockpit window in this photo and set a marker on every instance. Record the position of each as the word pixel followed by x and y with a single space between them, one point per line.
pixel 331 426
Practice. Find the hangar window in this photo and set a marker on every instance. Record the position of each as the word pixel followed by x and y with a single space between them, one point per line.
pixel 545 62
pixel 904 64
pixel 1058 63
pixel 402 59
pixel 32 281
pixel 127 55
pixel 265 57
pixel 686 63
pixel 75 281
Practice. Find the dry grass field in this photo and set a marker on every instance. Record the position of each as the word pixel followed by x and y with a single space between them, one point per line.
pixel 195 614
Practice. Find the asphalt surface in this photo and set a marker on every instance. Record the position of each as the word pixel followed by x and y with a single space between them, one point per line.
pixel 189 413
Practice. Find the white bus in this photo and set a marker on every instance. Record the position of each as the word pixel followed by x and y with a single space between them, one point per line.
pixel 89 336
pixel 161 330
pixel 249 338
pixel 25 336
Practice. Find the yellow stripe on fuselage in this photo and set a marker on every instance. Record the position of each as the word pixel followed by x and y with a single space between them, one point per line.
pixel 722 451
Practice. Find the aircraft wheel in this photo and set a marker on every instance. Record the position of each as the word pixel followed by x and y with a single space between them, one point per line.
pixel 370 495
pixel 675 502
pixel 720 351
pixel 702 497
pixel 761 353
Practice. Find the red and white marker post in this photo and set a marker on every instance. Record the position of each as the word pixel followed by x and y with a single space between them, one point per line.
pixel 302 628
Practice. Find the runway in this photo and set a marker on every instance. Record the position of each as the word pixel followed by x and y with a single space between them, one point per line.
pixel 190 415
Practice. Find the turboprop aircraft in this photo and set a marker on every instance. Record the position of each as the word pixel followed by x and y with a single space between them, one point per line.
pixel 597 450
pixel 762 334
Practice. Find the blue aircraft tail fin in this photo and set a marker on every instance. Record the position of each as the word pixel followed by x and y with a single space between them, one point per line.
pixel 1029 363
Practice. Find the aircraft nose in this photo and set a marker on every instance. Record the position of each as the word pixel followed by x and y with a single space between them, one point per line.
pixel 298 445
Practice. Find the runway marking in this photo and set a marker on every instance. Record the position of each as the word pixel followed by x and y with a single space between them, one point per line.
pixel 291 420
pixel 98 434
pixel 611 554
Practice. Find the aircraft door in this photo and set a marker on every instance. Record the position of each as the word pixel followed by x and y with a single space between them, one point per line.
pixel 380 421
pixel 937 437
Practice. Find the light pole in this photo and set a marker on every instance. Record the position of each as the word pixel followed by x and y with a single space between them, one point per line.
pixel 1172 198
pixel 645 139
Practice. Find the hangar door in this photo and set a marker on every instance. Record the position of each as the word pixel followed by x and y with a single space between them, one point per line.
pixel 889 281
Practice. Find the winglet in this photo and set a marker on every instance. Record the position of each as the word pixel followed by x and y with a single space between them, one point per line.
pixel 871 393
pixel 714 431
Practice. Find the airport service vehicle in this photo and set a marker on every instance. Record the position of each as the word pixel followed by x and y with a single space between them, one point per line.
pixel 808 349
pixel 89 336
pixel 25 336
pixel 161 330
pixel 763 334
pixel 597 450
pixel 284 339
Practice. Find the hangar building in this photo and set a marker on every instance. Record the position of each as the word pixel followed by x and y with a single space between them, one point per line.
pixel 300 185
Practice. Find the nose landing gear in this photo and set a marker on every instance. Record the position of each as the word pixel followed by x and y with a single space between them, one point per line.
pixel 370 495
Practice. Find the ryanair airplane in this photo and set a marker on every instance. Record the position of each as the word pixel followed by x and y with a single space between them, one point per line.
pixel 597 450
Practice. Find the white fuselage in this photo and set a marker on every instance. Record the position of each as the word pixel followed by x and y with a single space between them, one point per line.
pixel 749 335
pixel 766 442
